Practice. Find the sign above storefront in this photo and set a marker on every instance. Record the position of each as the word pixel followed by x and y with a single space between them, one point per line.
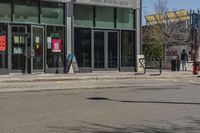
pixel 135 4
pixel 113 3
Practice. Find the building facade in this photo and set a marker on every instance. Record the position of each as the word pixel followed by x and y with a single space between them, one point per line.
pixel 37 35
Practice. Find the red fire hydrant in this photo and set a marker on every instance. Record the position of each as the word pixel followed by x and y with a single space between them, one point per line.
pixel 195 68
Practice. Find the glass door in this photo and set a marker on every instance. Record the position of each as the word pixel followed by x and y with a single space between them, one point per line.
pixel 37 49
pixel 105 50
pixel 19 49
pixel 99 50
pixel 113 50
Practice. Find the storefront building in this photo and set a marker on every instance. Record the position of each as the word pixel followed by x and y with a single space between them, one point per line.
pixel 36 35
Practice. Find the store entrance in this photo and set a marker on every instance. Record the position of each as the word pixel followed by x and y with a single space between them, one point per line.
pixel 27 49
pixel 106 50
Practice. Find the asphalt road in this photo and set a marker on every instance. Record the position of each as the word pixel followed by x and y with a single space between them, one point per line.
pixel 145 106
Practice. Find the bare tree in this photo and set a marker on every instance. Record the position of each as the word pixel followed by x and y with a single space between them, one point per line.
pixel 160 7
pixel 177 33
pixel 166 32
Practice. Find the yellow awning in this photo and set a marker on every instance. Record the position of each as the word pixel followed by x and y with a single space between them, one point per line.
pixel 172 16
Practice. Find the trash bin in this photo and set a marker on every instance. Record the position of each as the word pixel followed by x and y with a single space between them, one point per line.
pixel 178 65
pixel 173 65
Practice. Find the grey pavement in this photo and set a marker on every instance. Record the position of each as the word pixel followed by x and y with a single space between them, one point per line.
pixel 92 76
pixel 19 82
pixel 143 106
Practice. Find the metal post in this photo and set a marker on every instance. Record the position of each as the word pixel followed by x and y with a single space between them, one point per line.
pixel 70 31
pixel 196 46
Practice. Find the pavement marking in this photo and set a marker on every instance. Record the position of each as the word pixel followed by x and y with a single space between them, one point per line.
pixel 191 81
pixel 59 82
pixel 161 79
pixel 175 80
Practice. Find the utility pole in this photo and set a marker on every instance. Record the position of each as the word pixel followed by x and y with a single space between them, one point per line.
pixel 195 35
pixel 196 52
pixel 196 46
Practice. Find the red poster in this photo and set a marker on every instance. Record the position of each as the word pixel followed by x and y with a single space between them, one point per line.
pixel 56 45
pixel 3 43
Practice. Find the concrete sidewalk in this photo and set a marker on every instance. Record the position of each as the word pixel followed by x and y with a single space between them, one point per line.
pixel 12 78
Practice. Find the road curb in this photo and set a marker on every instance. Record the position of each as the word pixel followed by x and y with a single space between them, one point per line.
pixel 13 90
pixel 93 78
pixel 74 88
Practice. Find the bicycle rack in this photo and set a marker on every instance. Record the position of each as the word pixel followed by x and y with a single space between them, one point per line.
pixel 150 64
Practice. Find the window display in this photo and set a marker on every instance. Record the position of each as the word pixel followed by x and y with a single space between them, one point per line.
pixel 18 47
pixel 55 47
pixel 3 46
pixel 3 42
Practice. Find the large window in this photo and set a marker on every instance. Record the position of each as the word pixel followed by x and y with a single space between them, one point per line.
pixel 3 47
pixel 83 16
pixel 105 17
pixel 5 10
pixel 55 47
pixel 26 11
pixel 128 49
pixel 82 47
pixel 125 18
pixel 52 13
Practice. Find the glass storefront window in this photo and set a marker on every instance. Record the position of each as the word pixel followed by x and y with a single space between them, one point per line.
pixel 105 17
pixel 128 49
pixel 26 11
pixel 5 10
pixel 18 47
pixel 82 46
pixel 83 16
pixel 125 18
pixel 55 47
pixel 3 47
pixel 52 12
